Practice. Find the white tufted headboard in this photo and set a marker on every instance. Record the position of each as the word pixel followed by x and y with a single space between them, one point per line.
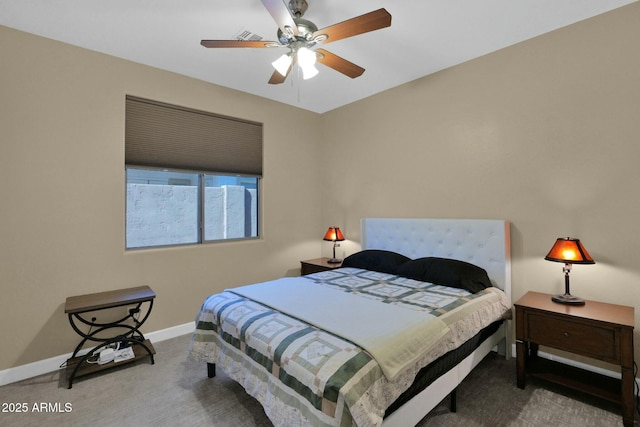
pixel 483 242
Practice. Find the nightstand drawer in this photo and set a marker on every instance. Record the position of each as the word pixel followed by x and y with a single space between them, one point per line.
pixel 586 338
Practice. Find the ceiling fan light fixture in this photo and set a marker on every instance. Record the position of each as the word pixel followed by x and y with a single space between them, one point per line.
pixel 309 71
pixel 306 60
pixel 283 63
pixel 306 57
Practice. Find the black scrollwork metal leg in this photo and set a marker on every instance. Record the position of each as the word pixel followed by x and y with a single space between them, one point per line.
pixel 121 332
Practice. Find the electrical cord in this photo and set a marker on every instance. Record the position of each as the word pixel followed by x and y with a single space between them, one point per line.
pixel 96 354
pixel 636 387
pixel 95 360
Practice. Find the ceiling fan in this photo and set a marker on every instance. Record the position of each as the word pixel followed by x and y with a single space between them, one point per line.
pixel 302 36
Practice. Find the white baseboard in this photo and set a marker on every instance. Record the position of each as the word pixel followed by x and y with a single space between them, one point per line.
pixel 585 366
pixel 172 332
pixel 52 364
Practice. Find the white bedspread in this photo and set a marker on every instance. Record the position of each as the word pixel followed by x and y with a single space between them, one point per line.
pixel 395 336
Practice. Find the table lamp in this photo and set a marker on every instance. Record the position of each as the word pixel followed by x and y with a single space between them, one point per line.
pixel 569 251
pixel 334 235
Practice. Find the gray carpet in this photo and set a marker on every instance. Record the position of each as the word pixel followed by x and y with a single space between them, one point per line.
pixel 175 392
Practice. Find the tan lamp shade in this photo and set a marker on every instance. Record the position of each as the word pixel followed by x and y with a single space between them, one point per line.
pixel 569 251
pixel 334 234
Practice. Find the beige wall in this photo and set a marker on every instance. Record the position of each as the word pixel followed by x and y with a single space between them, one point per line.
pixel 63 194
pixel 543 134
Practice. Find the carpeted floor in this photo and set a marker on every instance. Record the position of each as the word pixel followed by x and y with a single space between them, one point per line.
pixel 175 392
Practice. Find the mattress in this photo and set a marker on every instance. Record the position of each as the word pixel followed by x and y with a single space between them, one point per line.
pixel 427 375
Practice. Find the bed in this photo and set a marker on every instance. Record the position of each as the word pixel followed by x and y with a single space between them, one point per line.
pixel 307 368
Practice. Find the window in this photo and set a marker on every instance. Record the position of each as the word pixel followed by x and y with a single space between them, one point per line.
pixel 191 176
pixel 177 207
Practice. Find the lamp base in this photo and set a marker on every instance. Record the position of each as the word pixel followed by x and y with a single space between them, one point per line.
pixel 567 299
pixel 334 261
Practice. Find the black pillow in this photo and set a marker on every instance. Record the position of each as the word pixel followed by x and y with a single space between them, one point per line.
pixel 447 272
pixel 376 260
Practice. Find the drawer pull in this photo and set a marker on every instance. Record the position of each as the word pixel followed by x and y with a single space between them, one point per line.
pixel 566 334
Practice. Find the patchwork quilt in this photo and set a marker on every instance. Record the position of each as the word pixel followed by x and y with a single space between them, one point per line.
pixel 303 374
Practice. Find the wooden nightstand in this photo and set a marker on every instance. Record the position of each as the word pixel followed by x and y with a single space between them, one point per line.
pixel 597 330
pixel 316 265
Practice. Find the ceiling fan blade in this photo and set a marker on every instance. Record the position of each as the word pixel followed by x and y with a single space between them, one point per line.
pixel 277 78
pixel 339 64
pixel 352 27
pixel 238 43
pixel 281 15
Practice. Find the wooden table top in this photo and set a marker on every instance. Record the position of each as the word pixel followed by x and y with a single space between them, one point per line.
pixel 100 300
pixel 593 310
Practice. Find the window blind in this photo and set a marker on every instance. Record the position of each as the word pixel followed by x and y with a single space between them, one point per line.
pixel 170 136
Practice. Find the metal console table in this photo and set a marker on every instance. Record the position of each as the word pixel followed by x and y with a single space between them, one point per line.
pixel 125 330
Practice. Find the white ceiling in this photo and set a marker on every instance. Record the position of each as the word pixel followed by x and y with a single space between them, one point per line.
pixel 425 36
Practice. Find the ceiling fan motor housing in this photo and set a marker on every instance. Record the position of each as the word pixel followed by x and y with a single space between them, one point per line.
pixel 305 32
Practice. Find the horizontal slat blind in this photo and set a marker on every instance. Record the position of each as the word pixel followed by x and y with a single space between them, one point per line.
pixel 169 136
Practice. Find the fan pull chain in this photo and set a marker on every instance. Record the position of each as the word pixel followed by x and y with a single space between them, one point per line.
pixel 297 79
